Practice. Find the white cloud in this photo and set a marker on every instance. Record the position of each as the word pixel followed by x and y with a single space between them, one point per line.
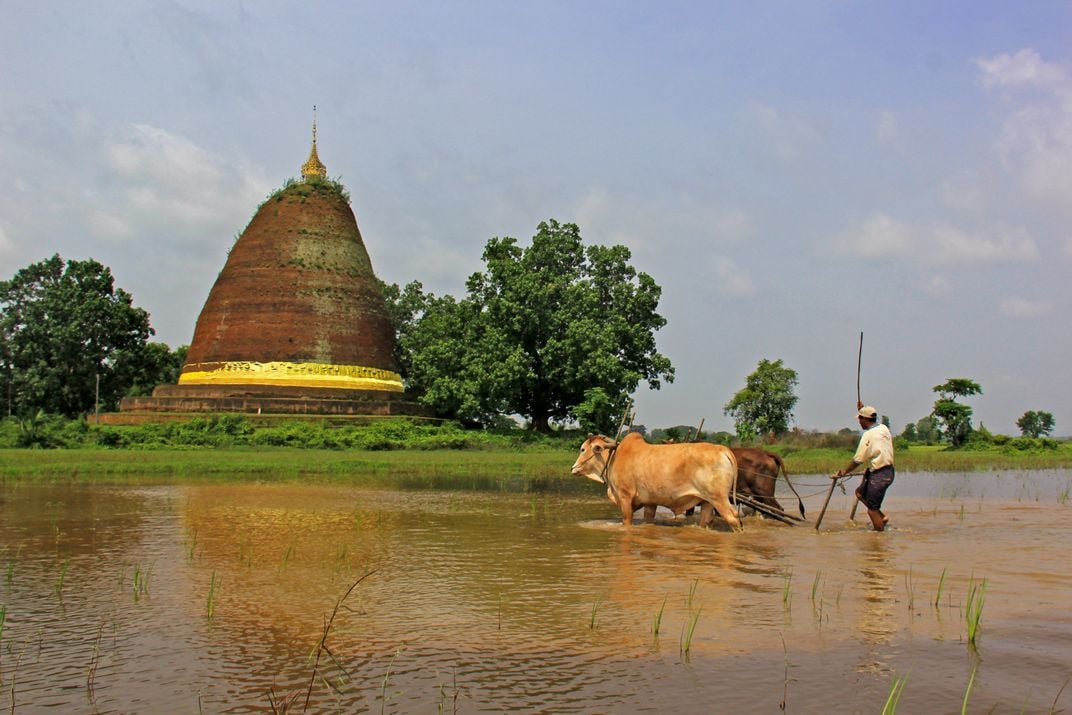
pixel 645 223
pixel 953 245
pixel 730 279
pixel 106 225
pixel 879 236
pixel 159 180
pixel 786 136
pixel 7 247
pixel 936 285
pixel 963 193
pixel 1022 309
pixel 1026 67
pixel 886 131
pixel 1036 138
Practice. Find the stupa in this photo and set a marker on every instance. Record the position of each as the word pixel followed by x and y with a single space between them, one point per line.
pixel 296 322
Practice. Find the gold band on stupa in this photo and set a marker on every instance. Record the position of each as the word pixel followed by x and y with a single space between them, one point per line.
pixel 291 374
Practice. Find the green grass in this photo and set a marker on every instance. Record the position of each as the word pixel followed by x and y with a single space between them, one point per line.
pixel 932 458
pixel 476 468
pixel 230 447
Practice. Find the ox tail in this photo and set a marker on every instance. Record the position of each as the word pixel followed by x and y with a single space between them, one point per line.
pixel 785 473
pixel 736 477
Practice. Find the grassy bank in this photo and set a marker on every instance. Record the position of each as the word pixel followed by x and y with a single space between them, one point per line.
pixel 230 447
pixel 933 458
pixel 536 463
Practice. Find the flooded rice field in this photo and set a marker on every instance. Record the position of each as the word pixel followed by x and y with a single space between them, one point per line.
pixel 220 599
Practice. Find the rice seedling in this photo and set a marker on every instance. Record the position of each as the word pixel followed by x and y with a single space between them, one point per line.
pixel 787 588
pixel 967 690
pixel 140 581
pixel 190 543
pixel 815 584
pixel 1053 708
pixel 896 689
pixel 210 604
pixel 595 609
pixel 687 632
pixel 322 647
pixel 386 678
pixel 910 587
pixel 974 611
pixel 938 593
pixel 785 677
pixel 91 675
pixel 658 620
pixel 692 593
pixel 443 695
pixel 14 671
pixel 64 567
pixel 286 556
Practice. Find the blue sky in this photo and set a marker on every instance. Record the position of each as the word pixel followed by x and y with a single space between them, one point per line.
pixel 791 173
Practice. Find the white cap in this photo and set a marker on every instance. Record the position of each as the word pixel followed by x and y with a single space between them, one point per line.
pixel 869 412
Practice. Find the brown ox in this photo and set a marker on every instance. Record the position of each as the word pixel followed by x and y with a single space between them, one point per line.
pixel 676 476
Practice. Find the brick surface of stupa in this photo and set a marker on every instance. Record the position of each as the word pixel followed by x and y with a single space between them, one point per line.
pixel 296 322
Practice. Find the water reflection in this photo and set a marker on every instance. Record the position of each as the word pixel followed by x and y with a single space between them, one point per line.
pixel 875 622
pixel 531 601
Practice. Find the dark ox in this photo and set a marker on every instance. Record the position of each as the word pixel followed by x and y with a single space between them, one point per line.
pixel 757 472
pixel 675 476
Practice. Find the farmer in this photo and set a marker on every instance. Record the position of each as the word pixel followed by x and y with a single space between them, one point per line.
pixel 876 452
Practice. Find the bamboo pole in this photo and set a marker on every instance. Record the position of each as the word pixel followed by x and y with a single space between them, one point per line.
pixel 826 503
pixel 859 356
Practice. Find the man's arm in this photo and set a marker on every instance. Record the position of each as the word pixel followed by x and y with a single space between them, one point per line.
pixel 848 469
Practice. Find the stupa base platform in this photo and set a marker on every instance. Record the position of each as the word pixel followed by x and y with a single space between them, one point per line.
pixel 181 402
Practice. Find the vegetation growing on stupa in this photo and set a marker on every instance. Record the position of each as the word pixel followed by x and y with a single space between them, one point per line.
pixel 306 187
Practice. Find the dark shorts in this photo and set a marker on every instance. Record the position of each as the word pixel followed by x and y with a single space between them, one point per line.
pixel 873 488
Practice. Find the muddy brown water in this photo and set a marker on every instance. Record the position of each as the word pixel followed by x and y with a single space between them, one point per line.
pixel 529 602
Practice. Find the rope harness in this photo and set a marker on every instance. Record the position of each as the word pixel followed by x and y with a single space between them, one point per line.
pixel 604 473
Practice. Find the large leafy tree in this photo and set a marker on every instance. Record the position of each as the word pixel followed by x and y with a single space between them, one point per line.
pixel 955 417
pixel 557 331
pixel 145 368
pixel 65 326
pixel 765 405
pixel 1036 424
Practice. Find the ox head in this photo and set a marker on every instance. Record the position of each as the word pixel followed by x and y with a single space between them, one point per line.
pixel 592 461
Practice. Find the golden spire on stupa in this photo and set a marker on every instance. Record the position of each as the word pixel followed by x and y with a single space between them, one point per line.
pixel 313 166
